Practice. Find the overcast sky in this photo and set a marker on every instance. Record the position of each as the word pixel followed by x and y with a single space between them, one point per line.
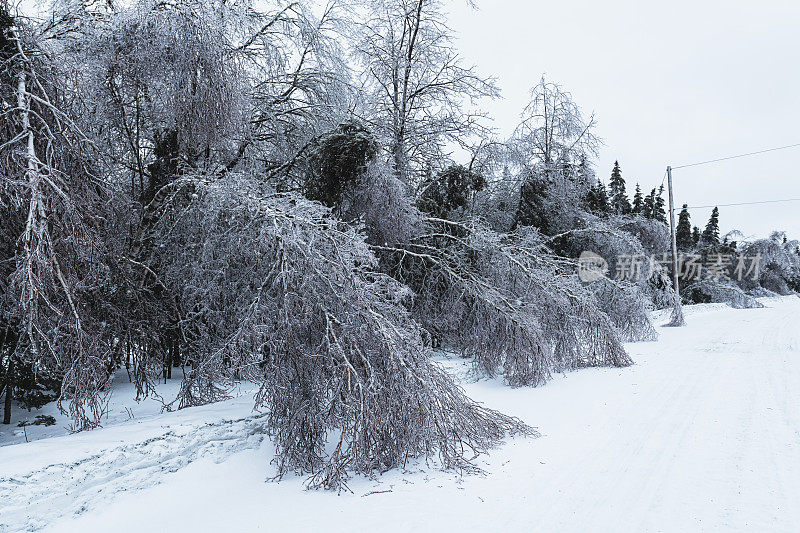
pixel 670 83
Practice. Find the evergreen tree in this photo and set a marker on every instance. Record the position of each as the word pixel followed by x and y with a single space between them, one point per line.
pixel 602 196
pixel 649 204
pixel 638 201
pixel 727 247
pixel 338 161
pixel 449 190
pixel 710 237
pixel 696 235
pixel 683 232
pixel 618 199
pixel 659 213
pixel 534 205
pixel 597 199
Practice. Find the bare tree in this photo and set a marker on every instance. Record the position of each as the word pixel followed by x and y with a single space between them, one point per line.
pixel 550 146
pixel 53 211
pixel 553 130
pixel 422 92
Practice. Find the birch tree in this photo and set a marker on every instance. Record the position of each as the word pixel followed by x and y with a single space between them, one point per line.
pixel 551 145
pixel 421 90
pixel 52 203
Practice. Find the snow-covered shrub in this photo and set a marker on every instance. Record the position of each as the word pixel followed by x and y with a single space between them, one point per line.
pixel 550 199
pixel 761 292
pixel 712 291
pixel 273 289
pixel 497 204
pixel 779 264
pixel 773 279
pixel 503 299
pixel 658 289
pixel 449 191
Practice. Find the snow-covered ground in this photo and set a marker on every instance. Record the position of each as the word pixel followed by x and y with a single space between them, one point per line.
pixel 703 433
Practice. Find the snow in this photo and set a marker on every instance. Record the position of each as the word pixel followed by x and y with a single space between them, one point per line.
pixel 122 408
pixel 703 432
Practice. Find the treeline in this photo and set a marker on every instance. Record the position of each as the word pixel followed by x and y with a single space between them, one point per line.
pixel 712 267
pixel 266 194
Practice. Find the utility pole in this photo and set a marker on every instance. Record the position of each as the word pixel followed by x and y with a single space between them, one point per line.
pixel 677 310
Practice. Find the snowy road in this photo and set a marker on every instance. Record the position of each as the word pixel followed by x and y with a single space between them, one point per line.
pixel 703 433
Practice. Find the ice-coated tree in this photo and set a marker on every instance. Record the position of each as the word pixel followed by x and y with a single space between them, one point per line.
pixel 616 188
pixel 659 207
pixel 597 199
pixel 638 201
pixel 695 235
pixel 709 240
pixel 338 161
pixel 421 93
pixel 683 231
pixel 553 130
pixel 552 139
pixel 285 295
pixel 450 190
pixel 517 312
pixel 55 212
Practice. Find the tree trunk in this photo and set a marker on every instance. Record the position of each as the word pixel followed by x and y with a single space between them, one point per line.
pixel 165 359
pixel 173 345
pixel 8 345
pixel 9 394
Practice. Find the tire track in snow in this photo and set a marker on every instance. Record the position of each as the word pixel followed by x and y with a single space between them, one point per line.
pixel 34 500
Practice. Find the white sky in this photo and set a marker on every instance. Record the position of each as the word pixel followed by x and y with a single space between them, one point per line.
pixel 670 83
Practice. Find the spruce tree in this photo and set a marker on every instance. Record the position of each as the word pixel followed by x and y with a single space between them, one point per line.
pixel 585 175
pixel 710 237
pixel 602 196
pixel 696 235
pixel 683 232
pixel 727 247
pixel 638 201
pixel 534 204
pixel 591 199
pixel 648 204
pixel 618 199
pixel 659 213
pixel 597 199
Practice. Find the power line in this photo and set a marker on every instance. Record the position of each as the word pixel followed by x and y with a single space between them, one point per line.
pixel 737 156
pixel 744 203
